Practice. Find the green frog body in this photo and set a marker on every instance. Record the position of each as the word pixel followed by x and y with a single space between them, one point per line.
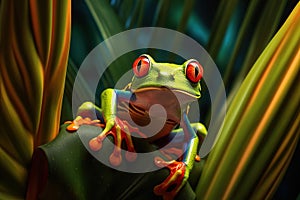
pixel 158 97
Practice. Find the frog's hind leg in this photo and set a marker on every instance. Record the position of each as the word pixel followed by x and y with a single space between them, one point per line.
pixel 173 145
pixel 90 110
pixel 177 136
pixel 189 137
pixel 89 114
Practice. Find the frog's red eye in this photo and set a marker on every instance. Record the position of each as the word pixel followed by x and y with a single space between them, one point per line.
pixel 194 71
pixel 141 66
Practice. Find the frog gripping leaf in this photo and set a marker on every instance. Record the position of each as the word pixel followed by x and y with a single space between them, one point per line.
pixel 154 107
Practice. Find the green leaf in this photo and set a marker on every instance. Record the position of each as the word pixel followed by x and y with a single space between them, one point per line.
pixel 263 30
pixel 261 127
pixel 33 55
pixel 266 27
pixel 220 24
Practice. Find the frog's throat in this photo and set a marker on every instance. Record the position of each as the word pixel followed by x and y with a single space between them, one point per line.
pixel 161 88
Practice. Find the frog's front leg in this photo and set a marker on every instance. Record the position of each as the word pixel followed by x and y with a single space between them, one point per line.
pixel 180 169
pixel 119 129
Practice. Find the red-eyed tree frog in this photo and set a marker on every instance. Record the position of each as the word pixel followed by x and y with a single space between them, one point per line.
pixel 173 87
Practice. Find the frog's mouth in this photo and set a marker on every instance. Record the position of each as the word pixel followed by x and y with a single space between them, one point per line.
pixel 181 95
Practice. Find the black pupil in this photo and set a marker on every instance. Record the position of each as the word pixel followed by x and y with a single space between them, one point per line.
pixel 196 71
pixel 139 65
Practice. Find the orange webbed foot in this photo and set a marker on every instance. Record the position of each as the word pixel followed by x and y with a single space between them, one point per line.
pixel 121 131
pixel 79 121
pixel 174 182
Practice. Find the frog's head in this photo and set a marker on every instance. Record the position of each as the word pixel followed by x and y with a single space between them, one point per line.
pixel 183 78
